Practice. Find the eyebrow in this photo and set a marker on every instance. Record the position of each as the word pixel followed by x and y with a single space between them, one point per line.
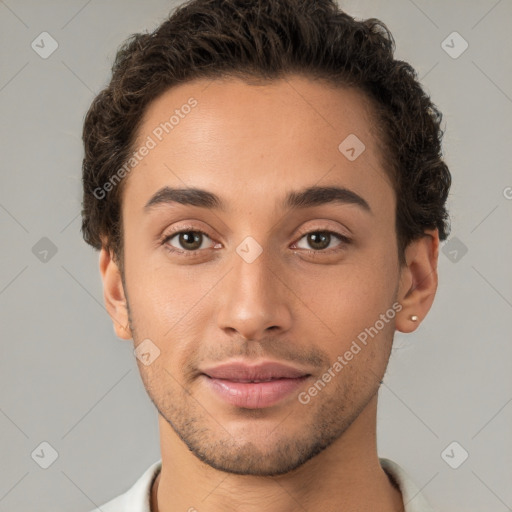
pixel 305 198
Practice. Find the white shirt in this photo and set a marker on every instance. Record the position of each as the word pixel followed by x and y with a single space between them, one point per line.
pixel 137 498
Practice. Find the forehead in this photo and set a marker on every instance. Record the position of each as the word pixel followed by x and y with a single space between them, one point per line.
pixel 227 135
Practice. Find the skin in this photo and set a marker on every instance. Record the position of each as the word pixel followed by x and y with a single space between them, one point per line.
pixel 251 145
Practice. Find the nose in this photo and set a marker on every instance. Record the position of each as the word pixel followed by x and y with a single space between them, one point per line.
pixel 253 300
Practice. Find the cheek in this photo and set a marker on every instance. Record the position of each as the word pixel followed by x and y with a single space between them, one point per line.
pixel 170 305
pixel 347 306
pixel 350 297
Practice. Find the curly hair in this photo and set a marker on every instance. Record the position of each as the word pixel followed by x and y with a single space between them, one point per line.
pixel 267 40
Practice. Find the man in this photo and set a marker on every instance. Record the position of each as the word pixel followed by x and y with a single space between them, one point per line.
pixel 265 185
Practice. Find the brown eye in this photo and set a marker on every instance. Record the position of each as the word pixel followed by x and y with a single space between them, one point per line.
pixel 321 240
pixel 187 240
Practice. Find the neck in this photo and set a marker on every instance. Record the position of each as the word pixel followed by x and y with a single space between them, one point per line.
pixel 346 476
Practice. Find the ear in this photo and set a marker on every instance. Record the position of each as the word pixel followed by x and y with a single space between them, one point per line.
pixel 113 294
pixel 418 281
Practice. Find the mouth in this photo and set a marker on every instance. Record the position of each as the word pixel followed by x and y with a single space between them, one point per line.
pixel 253 381
pixel 253 386
pixel 243 372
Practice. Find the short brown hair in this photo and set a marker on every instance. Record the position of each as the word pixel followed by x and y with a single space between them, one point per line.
pixel 266 40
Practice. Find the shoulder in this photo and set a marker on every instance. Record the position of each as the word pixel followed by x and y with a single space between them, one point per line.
pixel 414 500
pixel 137 497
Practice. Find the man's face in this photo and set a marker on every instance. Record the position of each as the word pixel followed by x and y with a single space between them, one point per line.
pixel 208 297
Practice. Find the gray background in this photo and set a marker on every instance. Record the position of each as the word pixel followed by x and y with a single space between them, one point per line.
pixel 68 381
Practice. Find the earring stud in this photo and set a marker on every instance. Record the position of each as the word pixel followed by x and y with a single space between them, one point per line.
pixel 414 318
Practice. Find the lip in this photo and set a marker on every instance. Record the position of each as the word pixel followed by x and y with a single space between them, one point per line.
pixel 234 383
pixel 239 371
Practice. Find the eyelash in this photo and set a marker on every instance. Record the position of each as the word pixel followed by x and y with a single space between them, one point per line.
pixel 167 237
